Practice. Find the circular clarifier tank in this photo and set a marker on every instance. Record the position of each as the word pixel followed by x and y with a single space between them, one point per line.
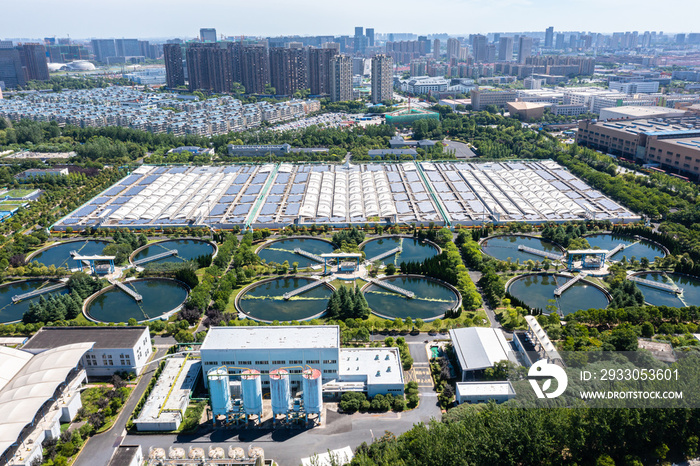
pixel 432 298
pixel 634 247
pixel 412 249
pixel 187 249
pixel 537 292
pixel 505 247
pixel 283 250
pixel 12 311
pixel 160 296
pixel 689 289
pixel 265 300
pixel 59 255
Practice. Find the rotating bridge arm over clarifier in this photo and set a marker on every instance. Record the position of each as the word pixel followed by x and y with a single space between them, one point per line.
pixel 652 284
pixel 31 294
pixel 537 252
pixel 137 297
pixel 568 284
pixel 306 287
pixel 171 252
pixel 389 286
pixel 386 254
pixel 308 254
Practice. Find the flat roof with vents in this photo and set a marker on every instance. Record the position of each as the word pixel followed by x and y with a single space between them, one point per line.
pixel 270 337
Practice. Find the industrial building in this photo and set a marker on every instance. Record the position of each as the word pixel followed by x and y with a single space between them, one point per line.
pixel 534 344
pixel 270 354
pixel 670 143
pixel 275 195
pixel 631 112
pixel 479 348
pixel 38 392
pixel 483 392
pixel 115 349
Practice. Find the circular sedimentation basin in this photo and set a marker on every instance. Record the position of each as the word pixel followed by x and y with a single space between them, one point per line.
pixel 187 249
pixel 634 247
pixel 537 291
pixel 281 250
pixel 412 249
pixel 505 247
pixel 689 286
pixel 58 254
pixel 12 312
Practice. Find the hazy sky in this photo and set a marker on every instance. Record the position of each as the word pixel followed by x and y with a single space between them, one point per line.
pixel 183 18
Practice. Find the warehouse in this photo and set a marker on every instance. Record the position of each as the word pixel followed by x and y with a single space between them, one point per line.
pixel 372 370
pixel 116 349
pixel 483 392
pixel 480 348
pixel 275 195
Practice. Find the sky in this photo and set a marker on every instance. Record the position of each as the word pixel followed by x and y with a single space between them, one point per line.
pixel 81 19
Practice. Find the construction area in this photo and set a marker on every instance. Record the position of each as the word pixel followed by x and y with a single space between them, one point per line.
pixel 275 195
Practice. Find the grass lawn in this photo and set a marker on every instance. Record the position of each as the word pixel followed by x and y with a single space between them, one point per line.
pixel 19 192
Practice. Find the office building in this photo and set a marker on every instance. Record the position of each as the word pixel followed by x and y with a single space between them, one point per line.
pixel 209 67
pixel 549 37
pixel 104 49
pixel 524 49
pixel 644 87
pixel 320 70
pixel 207 34
pixel 372 370
pixel 479 48
pixel 288 70
pixel 255 68
pixel 505 49
pixel 369 32
pixel 436 49
pixel 33 58
pixel 128 48
pixel 174 72
pixel 115 349
pixel 382 78
pixel 11 71
pixel 559 44
pixel 341 78
pixel 483 97
pixel 360 40
pixel 453 48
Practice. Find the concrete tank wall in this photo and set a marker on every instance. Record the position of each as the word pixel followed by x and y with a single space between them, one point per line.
pixel 252 391
pixel 219 393
pixel 280 392
pixel 313 391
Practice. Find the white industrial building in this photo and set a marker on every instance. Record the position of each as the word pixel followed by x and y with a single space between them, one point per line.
pixel 37 393
pixel 115 349
pixel 275 195
pixel 483 392
pixel 478 348
pixel 372 370
pixel 641 87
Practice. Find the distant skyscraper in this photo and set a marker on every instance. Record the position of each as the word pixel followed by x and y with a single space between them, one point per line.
pixel 209 67
pixel 479 48
pixel 436 49
pixel 360 40
pixel 559 44
pixel 320 70
pixel 369 32
pixel 382 78
pixel 11 71
pixel 524 49
pixel 255 68
pixel 453 48
pixel 288 70
pixel 341 78
pixel 424 45
pixel 174 73
pixel 505 49
pixel 207 34
pixel 33 57
pixel 103 49
pixel 490 53
pixel 127 47
pixel 358 66
pixel 549 37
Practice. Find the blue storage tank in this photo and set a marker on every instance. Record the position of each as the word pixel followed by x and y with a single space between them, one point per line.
pixel 219 393
pixel 251 386
pixel 313 391
pixel 280 392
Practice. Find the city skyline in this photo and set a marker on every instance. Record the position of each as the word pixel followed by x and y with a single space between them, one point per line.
pixel 35 19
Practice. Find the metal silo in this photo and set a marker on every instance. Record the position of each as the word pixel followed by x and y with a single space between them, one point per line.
pixel 313 392
pixel 280 392
pixel 219 392
pixel 252 391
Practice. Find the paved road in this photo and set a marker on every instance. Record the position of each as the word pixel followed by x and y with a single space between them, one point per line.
pixel 99 448
pixel 288 446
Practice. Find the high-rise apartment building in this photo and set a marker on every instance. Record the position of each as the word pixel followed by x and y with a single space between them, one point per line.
pixel 479 48
pixel 207 34
pixel 11 72
pixel 436 49
pixel 505 49
pixel 490 53
pixel 33 58
pixel 382 78
pixel 320 70
pixel 559 43
pixel 255 68
pixel 549 36
pixel 453 48
pixel 524 49
pixel 341 78
pixel 127 47
pixel 174 73
pixel 288 68
pixel 209 67
pixel 103 49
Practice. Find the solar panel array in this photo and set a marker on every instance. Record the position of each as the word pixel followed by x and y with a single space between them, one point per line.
pixel 275 195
